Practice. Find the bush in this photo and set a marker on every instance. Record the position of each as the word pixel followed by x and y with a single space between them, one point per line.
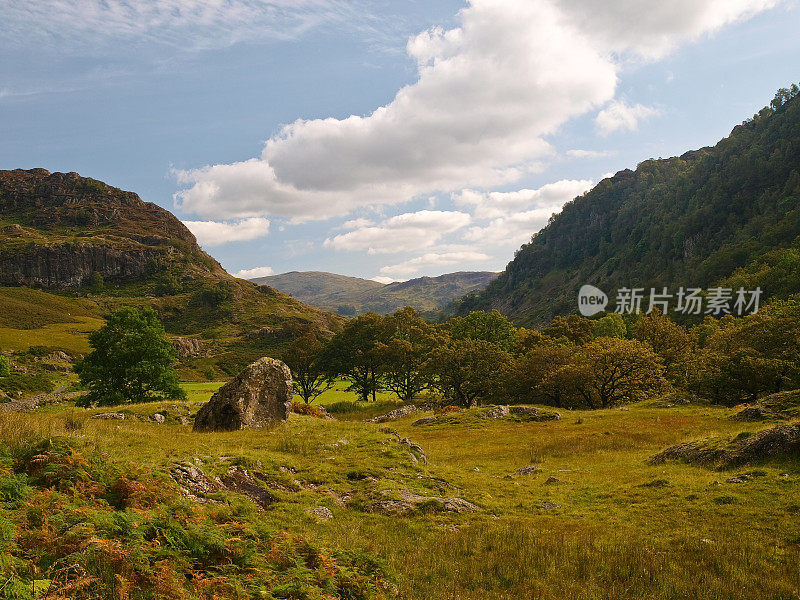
pixel 5 366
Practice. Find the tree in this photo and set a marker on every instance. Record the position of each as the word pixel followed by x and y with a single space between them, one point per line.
pixel 403 355
pixel 612 325
pixel 611 371
pixel 531 376
pixel 354 353
pixel 468 371
pixel 308 377
pixel 669 340
pixel 490 327
pixel 574 328
pixel 131 361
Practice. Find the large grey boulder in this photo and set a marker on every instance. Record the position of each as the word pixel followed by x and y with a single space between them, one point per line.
pixel 259 395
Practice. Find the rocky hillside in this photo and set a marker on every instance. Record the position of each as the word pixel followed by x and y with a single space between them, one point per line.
pixel 79 237
pixel 723 214
pixel 353 295
pixel 60 229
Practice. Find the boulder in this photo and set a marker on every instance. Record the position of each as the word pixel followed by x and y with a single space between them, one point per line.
pixel 187 347
pixel 259 395
pixel 531 413
pixel 397 413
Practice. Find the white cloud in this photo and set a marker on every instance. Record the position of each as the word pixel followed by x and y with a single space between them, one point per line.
pixel 550 198
pixel 184 23
pixel 217 233
pixel 488 93
pixel 255 272
pixel 402 233
pixel 577 153
pixel 619 116
pixel 433 259
pixel 512 230
pixel 384 280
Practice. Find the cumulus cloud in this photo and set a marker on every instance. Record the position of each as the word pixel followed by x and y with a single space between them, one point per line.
pixel 402 233
pixel 384 280
pixel 488 93
pixel 254 272
pixel 217 233
pixel 550 197
pixel 619 116
pixel 433 259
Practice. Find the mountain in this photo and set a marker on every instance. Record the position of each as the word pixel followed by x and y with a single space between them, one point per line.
pixel 352 295
pixel 92 247
pixel 723 214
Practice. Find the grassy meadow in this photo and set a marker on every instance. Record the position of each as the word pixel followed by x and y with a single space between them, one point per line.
pixel 614 526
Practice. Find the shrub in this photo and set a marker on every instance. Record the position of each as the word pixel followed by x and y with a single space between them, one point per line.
pixel 5 366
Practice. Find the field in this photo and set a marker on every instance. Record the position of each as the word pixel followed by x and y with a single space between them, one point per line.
pixel 614 526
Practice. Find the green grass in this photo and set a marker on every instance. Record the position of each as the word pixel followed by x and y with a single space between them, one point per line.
pixel 689 535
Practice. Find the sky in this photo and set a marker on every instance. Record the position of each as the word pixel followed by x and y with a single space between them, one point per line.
pixel 383 139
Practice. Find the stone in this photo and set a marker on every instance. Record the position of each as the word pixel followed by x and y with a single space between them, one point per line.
pixel 193 482
pixel 528 470
pixel 397 413
pixel 158 418
pixel 259 395
pixel 322 513
pixel 496 412
pixel 548 506
pixel 424 421
pixel 239 480
pixel 409 501
pixel 109 416
pixel 187 347
pixel 751 413
pixel 531 413
pixel 553 481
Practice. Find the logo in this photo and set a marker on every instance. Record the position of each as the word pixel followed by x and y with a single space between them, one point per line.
pixel 591 300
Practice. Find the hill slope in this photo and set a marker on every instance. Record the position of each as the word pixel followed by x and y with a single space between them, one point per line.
pixel 91 247
pixel 723 213
pixel 352 295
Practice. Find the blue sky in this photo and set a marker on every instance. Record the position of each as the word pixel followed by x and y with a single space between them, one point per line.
pixel 376 138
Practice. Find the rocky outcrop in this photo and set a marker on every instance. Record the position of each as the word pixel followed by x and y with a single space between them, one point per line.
pixel 406 502
pixel 66 228
pixel 72 265
pixel 187 347
pixel 393 415
pixel 259 395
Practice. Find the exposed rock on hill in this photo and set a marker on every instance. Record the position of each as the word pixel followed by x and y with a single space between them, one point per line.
pixel 70 228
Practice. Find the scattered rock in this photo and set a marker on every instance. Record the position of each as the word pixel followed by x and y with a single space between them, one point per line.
pixel 184 420
pixel 239 480
pixel 187 347
pixel 425 421
pixel 34 402
pixel 109 416
pixel 528 470
pixel 321 512
pixel 159 418
pixel 548 506
pixel 193 482
pixel 553 481
pixel 416 451
pixel 738 479
pixel 259 395
pixel 395 414
pixel 782 441
pixel 496 412
pixel 531 413
pixel 409 501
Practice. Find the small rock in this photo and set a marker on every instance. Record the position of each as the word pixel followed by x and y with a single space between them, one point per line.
pixel 393 415
pixel 183 420
pixel 425 421
pixel 110 415
pixel 496 412
pixel 738 479
pixel 476 469
pixel 158 418
pixel 321 512
pixel 528 470
pixel 548 506
pixel 553 481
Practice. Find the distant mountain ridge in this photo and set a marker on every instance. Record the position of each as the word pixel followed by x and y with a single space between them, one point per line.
pixel 724 214
pixel 353 295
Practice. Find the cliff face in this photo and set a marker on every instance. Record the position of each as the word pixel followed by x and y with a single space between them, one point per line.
pixel 66 227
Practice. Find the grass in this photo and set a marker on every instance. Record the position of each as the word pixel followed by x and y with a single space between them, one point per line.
pixel 617 527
